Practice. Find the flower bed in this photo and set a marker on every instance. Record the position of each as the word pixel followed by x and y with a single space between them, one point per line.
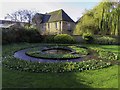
pixel 105 40
pixel 87 64
pixel 75 52
pixel 16 64
pixel 107 55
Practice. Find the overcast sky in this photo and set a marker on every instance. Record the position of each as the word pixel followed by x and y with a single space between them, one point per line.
pixel 73 8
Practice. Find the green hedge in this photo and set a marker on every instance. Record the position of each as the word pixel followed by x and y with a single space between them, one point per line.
pixel 14 35
pixel 106 40
pixel 64 38
pixel 48 38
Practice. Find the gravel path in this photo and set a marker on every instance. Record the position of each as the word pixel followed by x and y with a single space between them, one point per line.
pixel 21 55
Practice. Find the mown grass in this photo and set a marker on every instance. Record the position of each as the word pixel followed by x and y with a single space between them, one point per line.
pixel 101 78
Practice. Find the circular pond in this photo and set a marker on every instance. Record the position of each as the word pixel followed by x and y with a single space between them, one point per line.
pixel 52 53
pixel 56 51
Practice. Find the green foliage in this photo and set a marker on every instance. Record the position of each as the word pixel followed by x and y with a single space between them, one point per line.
pixel 86 24
pixel 88 37
pixel 15 64
pixel 108 77
pixel 64 38
pixel 80 50
pixel 49 39
pixel 102 20
pixel 106 40
pixel 13 35
pixel 52 56
pixel 107 55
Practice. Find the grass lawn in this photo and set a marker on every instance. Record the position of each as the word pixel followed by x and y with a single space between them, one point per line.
pixel 101 78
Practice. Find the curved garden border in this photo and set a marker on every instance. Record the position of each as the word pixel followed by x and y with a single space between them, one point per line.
pixel 21 54
pixel 27 63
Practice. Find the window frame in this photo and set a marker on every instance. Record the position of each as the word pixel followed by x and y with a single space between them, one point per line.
pixel 56 25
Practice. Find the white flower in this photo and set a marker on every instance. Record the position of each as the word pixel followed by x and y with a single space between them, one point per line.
pixel 87 65
pixel 101 60
pixel 108 63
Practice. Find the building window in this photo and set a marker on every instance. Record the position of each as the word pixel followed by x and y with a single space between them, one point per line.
pixel 56 25
pixel 43 26
pixel 68 26
pixel 48 25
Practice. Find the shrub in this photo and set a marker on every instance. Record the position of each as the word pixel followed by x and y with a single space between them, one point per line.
pixel 48 38
pixel 14 35
pixel 88 37
pixel 106 40
pixel 8 36
pixel 64 38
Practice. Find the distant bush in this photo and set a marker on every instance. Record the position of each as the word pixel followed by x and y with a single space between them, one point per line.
pixel 64 38
pixel 106 40
pixel 14 35
pixel 48 38
pixel 88 37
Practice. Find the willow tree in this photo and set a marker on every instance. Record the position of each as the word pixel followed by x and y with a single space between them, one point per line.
pixel 109 21
pixel 87 24
pixel 115 15
pixel 103 19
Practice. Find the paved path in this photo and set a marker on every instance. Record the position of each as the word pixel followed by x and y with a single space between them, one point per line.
pixel 21 55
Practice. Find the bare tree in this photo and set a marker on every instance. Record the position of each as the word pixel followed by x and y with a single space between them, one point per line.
pixel 12 16
pixel 28 15
pixel 21 15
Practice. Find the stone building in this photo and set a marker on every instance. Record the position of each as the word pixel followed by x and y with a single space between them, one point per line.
pixel 56 22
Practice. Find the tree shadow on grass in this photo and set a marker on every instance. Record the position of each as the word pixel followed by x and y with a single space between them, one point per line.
pixel 16 79
pixel 65 80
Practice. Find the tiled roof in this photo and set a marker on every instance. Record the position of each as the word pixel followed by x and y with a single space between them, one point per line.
pixel 58 15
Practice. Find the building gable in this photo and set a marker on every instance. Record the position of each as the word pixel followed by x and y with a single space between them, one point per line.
pixel 54 16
